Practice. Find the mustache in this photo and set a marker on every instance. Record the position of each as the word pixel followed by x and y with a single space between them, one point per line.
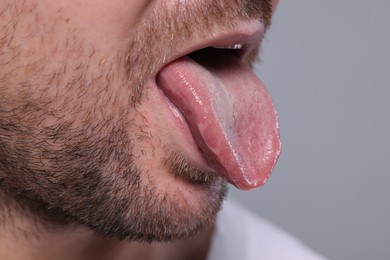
pixel 171 24
pixel 223 11
pixel 258 9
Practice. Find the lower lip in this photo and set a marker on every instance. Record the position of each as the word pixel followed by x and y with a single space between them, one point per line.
pixel 178 120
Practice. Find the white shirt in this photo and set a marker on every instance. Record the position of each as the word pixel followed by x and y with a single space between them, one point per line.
pixel 240 235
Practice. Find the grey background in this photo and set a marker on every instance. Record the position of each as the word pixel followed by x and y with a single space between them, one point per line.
pixel 327 66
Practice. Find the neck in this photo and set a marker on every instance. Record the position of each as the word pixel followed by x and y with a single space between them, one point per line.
pixel 24 236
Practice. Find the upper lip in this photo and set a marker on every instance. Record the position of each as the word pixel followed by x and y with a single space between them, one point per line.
pixel 249 34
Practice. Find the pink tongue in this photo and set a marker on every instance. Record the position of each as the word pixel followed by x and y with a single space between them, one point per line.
pixel 230 114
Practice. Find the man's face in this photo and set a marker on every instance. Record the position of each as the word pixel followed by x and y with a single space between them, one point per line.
pixel 86 130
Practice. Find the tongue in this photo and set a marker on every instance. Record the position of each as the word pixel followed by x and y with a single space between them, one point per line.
pixel 230 114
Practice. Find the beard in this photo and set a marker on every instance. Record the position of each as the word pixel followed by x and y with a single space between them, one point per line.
pixel 79 142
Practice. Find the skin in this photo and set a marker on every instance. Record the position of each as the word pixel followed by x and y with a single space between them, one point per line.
pixel 90 168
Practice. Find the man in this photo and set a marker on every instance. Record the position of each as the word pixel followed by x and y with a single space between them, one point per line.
pixel 120 123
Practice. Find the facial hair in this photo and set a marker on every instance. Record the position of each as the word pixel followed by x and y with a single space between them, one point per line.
pixel 72 138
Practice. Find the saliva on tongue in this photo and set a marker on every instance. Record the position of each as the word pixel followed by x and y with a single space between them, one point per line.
pixel 230 114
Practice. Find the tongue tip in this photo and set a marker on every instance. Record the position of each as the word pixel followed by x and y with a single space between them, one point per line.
pixel 246 184
pixel 249 181
pixel 256 177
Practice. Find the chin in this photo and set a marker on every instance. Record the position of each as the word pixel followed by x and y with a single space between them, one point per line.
pixel 159 208
pixel 181 211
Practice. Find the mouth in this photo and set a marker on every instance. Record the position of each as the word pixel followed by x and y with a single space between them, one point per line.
pixel 229 113
pixel 238 42
pixel 211 55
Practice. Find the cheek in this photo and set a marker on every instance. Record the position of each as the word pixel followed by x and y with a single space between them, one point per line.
pixel 102 23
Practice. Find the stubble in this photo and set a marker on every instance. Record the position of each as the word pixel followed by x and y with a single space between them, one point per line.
pixel 66 152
